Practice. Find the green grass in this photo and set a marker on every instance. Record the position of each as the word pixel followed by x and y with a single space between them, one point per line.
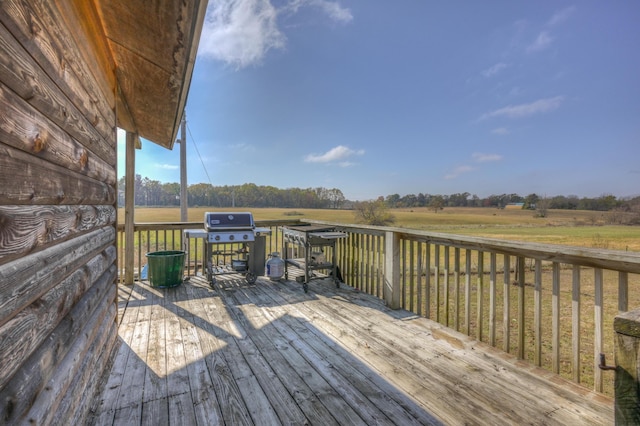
pixel 567 227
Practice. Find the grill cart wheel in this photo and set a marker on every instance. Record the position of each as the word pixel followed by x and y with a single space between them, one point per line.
pixel 251 278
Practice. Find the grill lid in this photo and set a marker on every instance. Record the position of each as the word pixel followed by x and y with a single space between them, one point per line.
pixel 219 221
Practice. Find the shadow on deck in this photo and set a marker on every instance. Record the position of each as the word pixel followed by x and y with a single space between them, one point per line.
pixel 268 353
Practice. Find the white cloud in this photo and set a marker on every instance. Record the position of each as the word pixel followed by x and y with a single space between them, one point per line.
pixel 500 131
pixel 458 171
pixel 543 41
pixel 339 154
pixel 525 110
pixel 561 16
pixel 240 32
pixel 332 9
pixel 489 72
pixel 485 158
pixel 166 166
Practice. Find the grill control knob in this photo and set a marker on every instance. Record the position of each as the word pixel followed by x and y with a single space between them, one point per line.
pixel 217 237
pixel 232 237
pixel 245 237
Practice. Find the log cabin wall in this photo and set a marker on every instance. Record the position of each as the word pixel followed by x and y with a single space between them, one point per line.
pixel 57 211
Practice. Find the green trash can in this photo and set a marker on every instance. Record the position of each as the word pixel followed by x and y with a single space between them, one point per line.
pixel 166 268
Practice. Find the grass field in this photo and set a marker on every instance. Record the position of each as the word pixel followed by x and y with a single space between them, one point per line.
pixel 579 228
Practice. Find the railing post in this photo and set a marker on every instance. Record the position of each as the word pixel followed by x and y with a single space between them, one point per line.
pixel 129 208
pixel 627 395
pixel 392 269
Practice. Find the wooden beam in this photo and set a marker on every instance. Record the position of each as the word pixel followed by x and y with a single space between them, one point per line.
pixel 392 270
pixel 130 169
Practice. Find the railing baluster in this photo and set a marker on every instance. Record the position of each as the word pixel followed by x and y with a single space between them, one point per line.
pixel 412 280
pixel 537 313
pixel 436 276
pixel 368 267
pixel 419 280
pixel 492 299
pixel 623 292
pixel 456 281
pixel 575 323
pixel 555 319
pixel 446 285
pixel 427 280
pixel 521 311
pixel 506 301
pixel 598 324
pixel 403 268
pixel 480 302
pixel 467 292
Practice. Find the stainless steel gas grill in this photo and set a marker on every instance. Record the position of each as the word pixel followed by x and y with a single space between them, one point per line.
pixel 314 240
pixel 232 245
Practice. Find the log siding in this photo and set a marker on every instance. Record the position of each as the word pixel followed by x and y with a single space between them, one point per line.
pixel 57 215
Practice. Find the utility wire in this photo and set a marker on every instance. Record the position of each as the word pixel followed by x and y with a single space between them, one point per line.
pixel 202 162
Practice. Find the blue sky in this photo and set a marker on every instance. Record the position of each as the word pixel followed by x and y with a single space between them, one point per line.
pixel 378 98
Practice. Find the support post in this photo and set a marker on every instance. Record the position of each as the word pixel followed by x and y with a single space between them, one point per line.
pixel 627 383
pixel 392 269
pixel 130 169
pixel 184 205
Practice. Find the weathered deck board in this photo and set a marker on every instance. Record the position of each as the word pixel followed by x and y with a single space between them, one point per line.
pixel 270 354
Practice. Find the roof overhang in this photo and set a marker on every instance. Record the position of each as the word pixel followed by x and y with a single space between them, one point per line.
pixel 153 46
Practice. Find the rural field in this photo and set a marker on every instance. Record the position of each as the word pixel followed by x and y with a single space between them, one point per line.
pixel 580 228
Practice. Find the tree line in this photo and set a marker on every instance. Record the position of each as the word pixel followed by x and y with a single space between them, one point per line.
pixel 149 192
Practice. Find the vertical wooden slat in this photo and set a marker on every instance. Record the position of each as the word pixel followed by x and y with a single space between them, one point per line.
pixel 537 313
pixel 456 282
pixel 368 267
pixel 412 278
pixel 492 299
pixel 419 280
pixel 467 292
pixel 521 311
pixel 403 271
pixel 575 323
pixel 392 269
pixel 623 292
pixel 446 285
pixel 506 301
pixel 555 319
pixel 361 283
pixel 598 343
pixel 352 255
pixel 436 279
pixel 480 301
pixel 375 282
pixel 427 281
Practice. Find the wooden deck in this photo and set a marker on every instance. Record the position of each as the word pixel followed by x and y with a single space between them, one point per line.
pixel 270 354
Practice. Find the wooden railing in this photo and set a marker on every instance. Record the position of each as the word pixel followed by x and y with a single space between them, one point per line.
pixel 550 305
pixel 150 237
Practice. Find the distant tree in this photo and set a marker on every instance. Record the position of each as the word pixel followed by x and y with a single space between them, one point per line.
pixel 542 207
pixel 393 200
pixel 436 203
pixel 373 213
pixel 530 201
